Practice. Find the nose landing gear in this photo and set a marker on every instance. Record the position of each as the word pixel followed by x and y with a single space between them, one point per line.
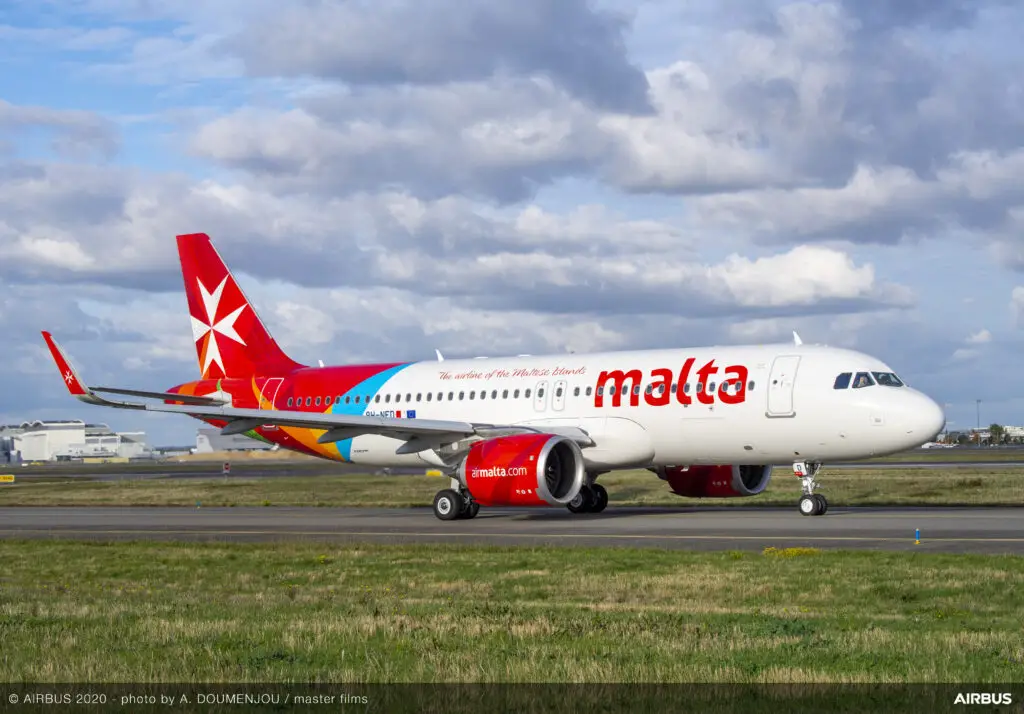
pixel 811 503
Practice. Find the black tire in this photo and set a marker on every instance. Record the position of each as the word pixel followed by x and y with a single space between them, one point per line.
pixel 583 502
pixel 809 506
pixel 471 510
pixel 448 505
pixel 822 504
pixel 600 498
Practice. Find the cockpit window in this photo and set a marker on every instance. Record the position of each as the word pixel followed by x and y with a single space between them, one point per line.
pixel 887 379
pixel 842 381
pixel 863 379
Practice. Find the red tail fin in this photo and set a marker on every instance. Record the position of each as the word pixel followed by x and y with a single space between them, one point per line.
pixel 231 340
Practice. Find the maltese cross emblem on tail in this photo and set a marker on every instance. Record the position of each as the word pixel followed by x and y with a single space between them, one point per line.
pixel 209 328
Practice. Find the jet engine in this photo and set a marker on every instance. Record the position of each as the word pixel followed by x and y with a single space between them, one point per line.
pixel 523 470
pixel 718 481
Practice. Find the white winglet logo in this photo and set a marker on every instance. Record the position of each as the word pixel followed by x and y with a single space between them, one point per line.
pixel 68 377
pixel 224 326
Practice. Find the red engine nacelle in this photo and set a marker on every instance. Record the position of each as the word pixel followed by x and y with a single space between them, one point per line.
pixel 719 481
pixel 523 470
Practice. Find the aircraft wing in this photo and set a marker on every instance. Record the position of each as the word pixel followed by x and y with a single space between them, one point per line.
pixel 418 434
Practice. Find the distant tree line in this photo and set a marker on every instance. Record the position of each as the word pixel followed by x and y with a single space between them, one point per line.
pixel 996 436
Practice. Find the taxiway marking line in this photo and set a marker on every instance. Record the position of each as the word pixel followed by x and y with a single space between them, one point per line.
pixel 583 536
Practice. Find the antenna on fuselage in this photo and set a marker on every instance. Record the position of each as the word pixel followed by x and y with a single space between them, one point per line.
pixel 796 339
pixel 440 357
pixel 320 362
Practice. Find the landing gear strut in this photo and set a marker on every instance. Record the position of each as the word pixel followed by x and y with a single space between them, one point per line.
pixel 592 498
pixel 811 503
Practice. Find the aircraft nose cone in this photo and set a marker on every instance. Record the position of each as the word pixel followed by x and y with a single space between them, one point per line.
pixel 929 419
pixel 937 420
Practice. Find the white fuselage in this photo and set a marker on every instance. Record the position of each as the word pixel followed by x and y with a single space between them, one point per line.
pixel 788 410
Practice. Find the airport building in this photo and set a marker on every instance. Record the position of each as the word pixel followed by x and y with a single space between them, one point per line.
pixel 209 440
pixel 68 440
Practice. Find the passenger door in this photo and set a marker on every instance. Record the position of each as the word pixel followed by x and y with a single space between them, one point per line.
pixel 268 395
pixel 780 386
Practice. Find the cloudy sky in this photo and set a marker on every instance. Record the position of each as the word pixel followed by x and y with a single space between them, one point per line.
pixel 486 177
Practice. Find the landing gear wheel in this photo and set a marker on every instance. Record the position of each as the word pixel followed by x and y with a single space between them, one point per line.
pixel 448 505
pixel 600 498
pixel 471 510
pixel 809 506
pixel 822 504
pixel 583 502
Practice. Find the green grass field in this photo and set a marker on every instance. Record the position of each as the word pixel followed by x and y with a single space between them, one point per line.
pixel 148 612
pixel 939 486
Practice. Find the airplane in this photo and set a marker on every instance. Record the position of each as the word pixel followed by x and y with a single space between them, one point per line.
pixel 538 430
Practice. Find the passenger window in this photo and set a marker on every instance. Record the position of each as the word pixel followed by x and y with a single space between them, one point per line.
pixel 540 392
pixel 863 379
pixel 483 394
pixel 558 392
pixel 600 391
pixel 337 399
pixel 387 398
pixel 650 389
pixel 588 391
pixel 494 394
pixel 576 392
pixel 711 387
pixel 472 394
pixel 348 400
pixel 398 397
pixel 675 386
pixel 429 394
pixel 419 396
pixel 750 386
pixel 700 387
pixel 289 401
pixel 309 400
pixel 504 394
pixel 451 396
pixel 408 397
pixel 842 381
pixel 318 401
pixel 462 395
pixel 515 394
pixel 527 394
pixel 377 399
pixel 686 388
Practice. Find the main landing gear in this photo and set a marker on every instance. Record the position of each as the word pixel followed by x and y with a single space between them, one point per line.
pixel 811 503
pixel 592 498
pixel 452 505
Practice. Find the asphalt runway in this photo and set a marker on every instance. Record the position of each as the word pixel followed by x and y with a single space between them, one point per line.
pixel 953 530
